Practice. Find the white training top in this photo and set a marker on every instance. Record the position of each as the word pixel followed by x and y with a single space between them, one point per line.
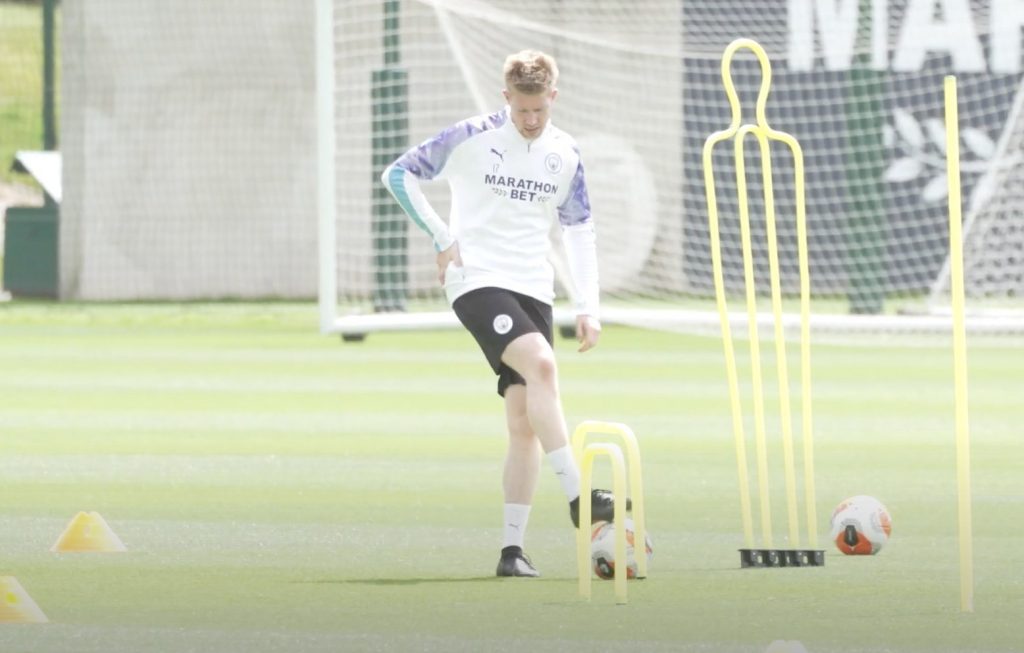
pixel 506 190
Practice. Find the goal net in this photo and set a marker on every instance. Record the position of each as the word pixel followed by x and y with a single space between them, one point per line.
pixel 857 82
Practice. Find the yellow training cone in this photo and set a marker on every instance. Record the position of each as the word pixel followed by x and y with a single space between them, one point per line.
pixel 88 532
pixel 16 606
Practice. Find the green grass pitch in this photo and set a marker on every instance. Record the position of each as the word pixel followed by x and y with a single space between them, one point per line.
pixel 280 491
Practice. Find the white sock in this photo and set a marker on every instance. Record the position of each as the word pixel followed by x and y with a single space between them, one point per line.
pixel 565 468
pixel 516 516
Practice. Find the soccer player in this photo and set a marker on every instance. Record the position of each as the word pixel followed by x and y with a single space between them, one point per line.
pixel 510 173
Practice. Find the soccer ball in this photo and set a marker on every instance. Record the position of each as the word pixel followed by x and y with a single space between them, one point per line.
pixel 860 526
pixel 602 549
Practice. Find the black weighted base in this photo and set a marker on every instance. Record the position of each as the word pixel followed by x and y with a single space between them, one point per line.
pixel 782 558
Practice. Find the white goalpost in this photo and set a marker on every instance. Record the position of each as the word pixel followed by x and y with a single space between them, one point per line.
pixel 640 90
pixel 442 39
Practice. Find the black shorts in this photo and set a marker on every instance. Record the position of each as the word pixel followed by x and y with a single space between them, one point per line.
pixel 496 317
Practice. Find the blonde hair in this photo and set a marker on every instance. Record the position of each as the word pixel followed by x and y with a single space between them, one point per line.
pixel 531 72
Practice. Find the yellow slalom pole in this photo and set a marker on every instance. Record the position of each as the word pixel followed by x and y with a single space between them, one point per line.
pixel 956 274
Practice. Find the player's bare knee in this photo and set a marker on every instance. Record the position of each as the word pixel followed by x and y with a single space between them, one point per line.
pixel 539 369
pixel 531 356
pixel 545 370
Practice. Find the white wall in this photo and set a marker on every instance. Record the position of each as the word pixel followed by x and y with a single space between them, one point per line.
pixel 188 135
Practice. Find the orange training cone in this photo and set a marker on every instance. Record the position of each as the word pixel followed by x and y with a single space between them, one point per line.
pixel 16 606
pixel 88 532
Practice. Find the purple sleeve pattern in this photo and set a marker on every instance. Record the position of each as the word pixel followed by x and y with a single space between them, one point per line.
pixel 428 159
pixel 576 207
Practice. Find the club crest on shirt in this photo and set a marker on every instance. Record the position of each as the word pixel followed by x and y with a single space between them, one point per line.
pixel 553 163
pixel 502 324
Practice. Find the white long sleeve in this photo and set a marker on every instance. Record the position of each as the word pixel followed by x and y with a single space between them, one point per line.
pixel 406 188
pixel 581 250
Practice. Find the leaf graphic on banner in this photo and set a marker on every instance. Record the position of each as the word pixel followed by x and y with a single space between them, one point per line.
pixel 903 169
pixel 908 128
pixel 888 136
pixel 978 142
pixel 937 132
pixel 936 190
pixel 982 192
